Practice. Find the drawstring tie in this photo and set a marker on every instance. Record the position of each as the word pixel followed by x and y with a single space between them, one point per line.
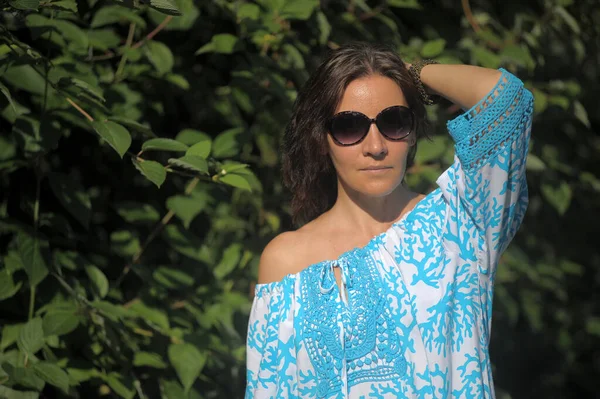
pixel 327 283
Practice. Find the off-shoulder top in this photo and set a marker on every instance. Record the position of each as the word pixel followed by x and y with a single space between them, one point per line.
pixel 416 315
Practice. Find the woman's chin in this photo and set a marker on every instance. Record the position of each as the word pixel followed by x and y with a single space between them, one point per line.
pixel 377 187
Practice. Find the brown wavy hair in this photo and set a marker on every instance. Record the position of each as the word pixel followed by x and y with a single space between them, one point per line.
pixel 307 168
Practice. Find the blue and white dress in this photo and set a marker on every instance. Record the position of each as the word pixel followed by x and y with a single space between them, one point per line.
pixel 415 322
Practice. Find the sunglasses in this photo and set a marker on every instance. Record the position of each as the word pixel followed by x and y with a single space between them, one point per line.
pixel 351 127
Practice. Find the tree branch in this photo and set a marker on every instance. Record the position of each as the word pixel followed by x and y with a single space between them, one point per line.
pixel 150 35
pixel 81 111
pixel 124 56
pixel 157 229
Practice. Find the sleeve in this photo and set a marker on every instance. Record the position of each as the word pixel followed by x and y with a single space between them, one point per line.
pixel 487 178
pixel 270 353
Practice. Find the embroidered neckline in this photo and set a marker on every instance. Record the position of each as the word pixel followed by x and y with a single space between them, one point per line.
pixel 373 244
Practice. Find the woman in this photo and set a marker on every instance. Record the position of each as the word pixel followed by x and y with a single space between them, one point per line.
pixel 383 292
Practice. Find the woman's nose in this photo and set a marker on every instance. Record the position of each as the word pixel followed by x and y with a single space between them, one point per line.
pixel 375 144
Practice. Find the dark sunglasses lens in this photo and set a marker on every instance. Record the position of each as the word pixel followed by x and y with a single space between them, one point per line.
pixel 349 128
pixel 395 123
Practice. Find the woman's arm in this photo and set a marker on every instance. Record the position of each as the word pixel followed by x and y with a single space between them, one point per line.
pixel 464 85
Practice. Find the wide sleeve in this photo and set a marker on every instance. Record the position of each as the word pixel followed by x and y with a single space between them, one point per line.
pixel 487 178
pixel 270 350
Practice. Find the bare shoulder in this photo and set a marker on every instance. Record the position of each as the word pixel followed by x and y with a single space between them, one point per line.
pixel 279 257
pixel 292 251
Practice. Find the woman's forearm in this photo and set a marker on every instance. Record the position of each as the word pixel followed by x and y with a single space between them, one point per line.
pixel 463 85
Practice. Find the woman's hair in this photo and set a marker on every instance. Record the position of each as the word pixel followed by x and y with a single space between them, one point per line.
pixel 307 168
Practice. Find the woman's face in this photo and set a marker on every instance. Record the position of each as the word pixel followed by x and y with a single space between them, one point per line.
pixel 375 166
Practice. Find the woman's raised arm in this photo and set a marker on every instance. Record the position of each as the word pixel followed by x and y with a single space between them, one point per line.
pixel 463 85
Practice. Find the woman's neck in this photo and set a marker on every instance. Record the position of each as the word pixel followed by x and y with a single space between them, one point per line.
pixel 371 215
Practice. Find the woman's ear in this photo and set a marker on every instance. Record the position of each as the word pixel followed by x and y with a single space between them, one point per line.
pixel 412 140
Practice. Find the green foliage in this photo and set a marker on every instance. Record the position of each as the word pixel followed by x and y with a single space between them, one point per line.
pixel 130 277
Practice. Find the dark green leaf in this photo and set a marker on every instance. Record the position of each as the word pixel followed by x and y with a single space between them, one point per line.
pixel 189 14
pixel 8 288
pixel 25 377
pixel 114 381
pixel 485 57
pixel 26 78
pixel 559 197
pixel 137 212
pixel 223 43
pixel 72 33
pixel 72 196
pixel 248 10
pixel 52 374
pixel 518 54
pixel 236 180
pixel 148 359
pixel 178 80
pixel 581 113
pixel 160 56
pixel 115 135
pixel 7 393
pixel 98 279
pixel 231 259
pixel 67 5
pixel 201 148
pixel 404 4
pixel 187 361
pixel 60 321
pixel 133 125
pixel 116 14
pixel 25 4
pixel 152 315
pixel 31 336
pixel 31 256
pixel 6 93
pixel 227 143
pixel 190 162
pixel 231 167
pixel 165 6
pixel 114 312
pixel 568 19
pixel 152 170
pixel 433 48
pixel 10 334
pixel 534 163
pixel 95 92
pixel 430 150
pixel 77 376
pixel 124 243
pixel 103 39
pixel 298 9
pixel 164 145
pixel 191 136
pixel 592 326
pixel 184 242
pixel 34 138
pixel 324 27
pixel 172 278
pixel 185 208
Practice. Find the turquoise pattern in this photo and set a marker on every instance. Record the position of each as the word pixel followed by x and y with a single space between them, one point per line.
pixel 412 317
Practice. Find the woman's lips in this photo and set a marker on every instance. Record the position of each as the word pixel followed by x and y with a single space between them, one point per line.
pixel 377 169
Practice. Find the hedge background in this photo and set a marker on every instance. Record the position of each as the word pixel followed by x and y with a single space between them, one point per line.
pixel 139 182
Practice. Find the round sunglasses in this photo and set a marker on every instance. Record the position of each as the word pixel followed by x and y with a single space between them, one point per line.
pixel 351 127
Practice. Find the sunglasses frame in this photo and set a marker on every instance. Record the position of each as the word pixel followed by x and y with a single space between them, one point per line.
pixel 371 121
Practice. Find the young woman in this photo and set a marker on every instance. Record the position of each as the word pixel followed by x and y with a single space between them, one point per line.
pixel 383 292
